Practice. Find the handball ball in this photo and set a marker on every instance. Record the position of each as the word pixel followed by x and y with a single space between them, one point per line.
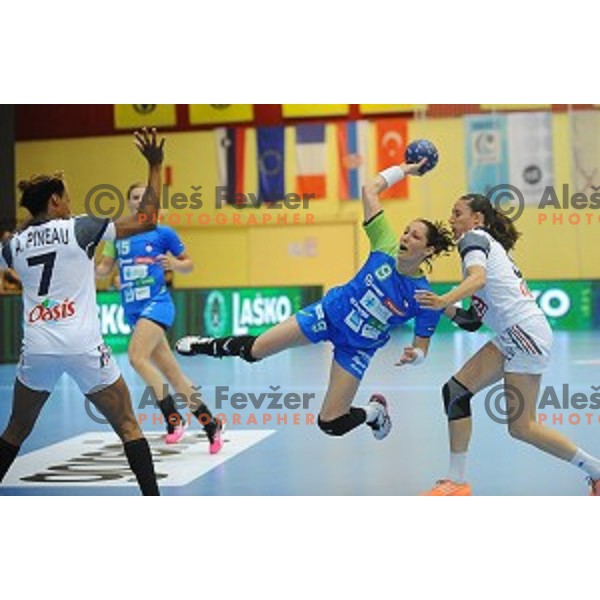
pixel 419 150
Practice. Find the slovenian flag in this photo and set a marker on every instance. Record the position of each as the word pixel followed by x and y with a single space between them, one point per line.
pixel 311 160
pixel 271 163
pixel 353 158
pixel 231 148
pixel 391 137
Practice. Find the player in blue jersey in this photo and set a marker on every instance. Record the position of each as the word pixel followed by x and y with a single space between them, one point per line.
pixel 150 311
pixel 357 317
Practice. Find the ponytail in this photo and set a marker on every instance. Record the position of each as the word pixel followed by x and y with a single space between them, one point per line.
pixel 497 224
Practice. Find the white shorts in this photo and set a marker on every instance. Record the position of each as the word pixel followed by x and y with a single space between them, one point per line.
pixel 93 371
pixel 526 346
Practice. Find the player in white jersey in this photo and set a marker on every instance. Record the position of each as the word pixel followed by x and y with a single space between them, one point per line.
pixel 519 354
pixel 53 254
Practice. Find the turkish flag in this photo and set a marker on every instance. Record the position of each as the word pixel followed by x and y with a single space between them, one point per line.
pixel 392 139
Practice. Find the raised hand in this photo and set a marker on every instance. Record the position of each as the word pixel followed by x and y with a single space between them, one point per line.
pixel 147 144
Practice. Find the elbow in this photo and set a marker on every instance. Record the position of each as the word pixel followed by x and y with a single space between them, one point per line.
pixel 370 191
pixel 482 280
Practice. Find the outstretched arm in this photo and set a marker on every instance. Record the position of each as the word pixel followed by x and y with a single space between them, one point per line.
pixel 382 181
pixel 475 280
pixel 147 215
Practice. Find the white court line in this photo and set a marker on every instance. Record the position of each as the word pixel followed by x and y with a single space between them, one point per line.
pixel 97 460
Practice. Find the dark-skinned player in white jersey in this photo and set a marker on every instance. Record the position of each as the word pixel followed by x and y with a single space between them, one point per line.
pixel 53 254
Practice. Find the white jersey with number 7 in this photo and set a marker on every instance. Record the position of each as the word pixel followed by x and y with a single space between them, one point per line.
pixel 55 261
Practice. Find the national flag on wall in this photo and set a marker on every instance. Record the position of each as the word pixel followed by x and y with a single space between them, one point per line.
pixel 231 150
pixel 531 155
pixel 353 139
pixel 271 163
pixel 311 160
pixel 391 135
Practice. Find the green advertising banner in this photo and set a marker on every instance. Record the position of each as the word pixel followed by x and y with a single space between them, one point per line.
pixel 569 306
pixel 212 312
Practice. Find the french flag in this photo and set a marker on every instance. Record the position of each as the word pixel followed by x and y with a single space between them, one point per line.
pixel 353 139
pixel 231 147
pixel 311 160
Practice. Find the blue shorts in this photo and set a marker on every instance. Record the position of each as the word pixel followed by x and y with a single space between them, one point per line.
pixel 315 327
pixel 161 312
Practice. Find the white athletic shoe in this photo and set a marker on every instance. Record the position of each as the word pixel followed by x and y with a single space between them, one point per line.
pixel 383 424
pixel 192 345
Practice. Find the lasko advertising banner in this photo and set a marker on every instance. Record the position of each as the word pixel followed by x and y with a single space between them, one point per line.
pixel 213 312
pixel 569 306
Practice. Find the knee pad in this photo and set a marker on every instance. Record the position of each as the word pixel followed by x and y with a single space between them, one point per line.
pixel 457 400
pixel 344 424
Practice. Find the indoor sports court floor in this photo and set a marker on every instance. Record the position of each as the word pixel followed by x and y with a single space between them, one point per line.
pixel 69 453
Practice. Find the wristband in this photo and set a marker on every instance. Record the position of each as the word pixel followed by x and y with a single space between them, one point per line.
pixel 420 357
pixel 392 176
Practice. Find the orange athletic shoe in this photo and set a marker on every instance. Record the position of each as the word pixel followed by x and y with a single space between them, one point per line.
pixel 445 487
pixel 594 487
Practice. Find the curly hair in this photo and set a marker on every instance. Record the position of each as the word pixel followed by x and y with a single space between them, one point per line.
pixel 38 189
pixel 440 237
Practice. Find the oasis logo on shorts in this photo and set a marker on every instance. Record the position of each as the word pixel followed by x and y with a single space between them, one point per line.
pixel 51 310
pixel 98 460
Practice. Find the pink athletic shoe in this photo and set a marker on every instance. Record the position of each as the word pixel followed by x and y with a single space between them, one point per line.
pixel 177 434
pixel 216 439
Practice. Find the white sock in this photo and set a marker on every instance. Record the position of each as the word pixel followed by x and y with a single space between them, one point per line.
pixel 587 463
pixel 458 467
pixel 372 411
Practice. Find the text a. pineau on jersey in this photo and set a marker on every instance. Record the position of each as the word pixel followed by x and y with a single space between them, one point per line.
pixel 36 237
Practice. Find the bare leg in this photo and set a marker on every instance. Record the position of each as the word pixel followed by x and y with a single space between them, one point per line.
pixel 341 392
pixel 114 403
pixel 27 405
pixel 26 408
pixel 281 337
pixel 167 364
pixel 483 369
pixel 147 335
pixel 522 392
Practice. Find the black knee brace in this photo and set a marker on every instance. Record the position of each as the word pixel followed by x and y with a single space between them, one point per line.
pixel 457 400
pixel 343 425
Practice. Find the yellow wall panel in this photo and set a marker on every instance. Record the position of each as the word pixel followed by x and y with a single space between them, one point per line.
pixel 203 114
pixel 291 111
pixel 132 116
pixel 371 109
pixel 323 254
